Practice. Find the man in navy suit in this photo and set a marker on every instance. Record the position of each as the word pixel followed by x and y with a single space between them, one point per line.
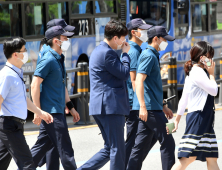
pixel 109 102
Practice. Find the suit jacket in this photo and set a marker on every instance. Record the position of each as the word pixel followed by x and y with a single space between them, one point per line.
pixel 108 75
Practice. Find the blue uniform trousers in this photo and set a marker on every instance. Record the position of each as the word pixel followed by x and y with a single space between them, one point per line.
pixel 132 121
pixel 51 159
pixel 55 133
pixel 13 144
pixel 147 133
pixel 112 129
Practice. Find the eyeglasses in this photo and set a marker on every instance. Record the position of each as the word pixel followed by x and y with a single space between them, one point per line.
pixel 22 51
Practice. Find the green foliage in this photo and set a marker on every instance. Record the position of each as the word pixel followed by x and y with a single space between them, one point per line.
pixel 110 5
pixel 75 4
pixel 53 10
pixel 5 17
pixel 219 25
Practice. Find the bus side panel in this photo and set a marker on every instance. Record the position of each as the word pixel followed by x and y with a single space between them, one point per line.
pixel 2 57
pixel 182 52
pixel 79 46
pixel 33 51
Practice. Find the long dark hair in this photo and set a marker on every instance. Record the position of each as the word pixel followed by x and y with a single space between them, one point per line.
pixel 201 48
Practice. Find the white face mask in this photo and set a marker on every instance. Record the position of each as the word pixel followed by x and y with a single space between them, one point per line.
pixel 65 45
pixel 163 45
pixel 143 37
pixel 25 58
pixel 119 47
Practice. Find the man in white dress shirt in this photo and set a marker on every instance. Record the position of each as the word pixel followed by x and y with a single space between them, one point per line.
pixel 13 107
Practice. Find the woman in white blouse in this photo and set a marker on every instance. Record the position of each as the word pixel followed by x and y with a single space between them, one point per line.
pixel 199 140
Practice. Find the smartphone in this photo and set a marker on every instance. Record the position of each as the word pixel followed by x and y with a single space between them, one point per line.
pixel 207 62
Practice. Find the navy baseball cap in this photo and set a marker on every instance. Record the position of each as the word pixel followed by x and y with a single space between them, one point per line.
pixel 60 22
pixel 55 31
pixel 138 23
pixel 159 31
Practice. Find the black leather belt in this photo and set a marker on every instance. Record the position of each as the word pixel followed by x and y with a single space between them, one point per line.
pixel 15 119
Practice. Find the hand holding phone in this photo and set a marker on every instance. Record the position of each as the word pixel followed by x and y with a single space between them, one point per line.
pixel 210 66
pixel 206 61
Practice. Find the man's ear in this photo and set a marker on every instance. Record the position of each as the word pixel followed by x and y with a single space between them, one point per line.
pixel 115 38
pixel 133 32
pixel 55 40
pixel 14 55
pixel 155 39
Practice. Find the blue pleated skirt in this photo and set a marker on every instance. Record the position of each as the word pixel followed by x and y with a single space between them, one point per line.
pixel 199 138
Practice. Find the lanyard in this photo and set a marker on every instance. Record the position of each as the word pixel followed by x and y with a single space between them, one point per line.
pixel 20 78
pixel 17 73
pixel 63 73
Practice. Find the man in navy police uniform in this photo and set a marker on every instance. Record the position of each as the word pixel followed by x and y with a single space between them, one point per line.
pixel 52 157
pixel 49 92
pixel 148 99
pixel 109 102
pixel 137 33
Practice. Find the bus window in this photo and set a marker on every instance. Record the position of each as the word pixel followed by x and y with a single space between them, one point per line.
pixel 133 7
pixel 152 12
pixel 81 7
pixel 57 10
pixel 181 23
pixel 181 31
pixel 34 20
pixel 9 20
pixel 83 27
pixel 216 16
pixel 103 6
pixel 199 17
pixel 182 19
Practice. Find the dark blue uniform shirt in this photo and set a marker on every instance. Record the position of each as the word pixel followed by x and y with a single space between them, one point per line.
pixel 52 89
pixel 134 54
pixel 148 63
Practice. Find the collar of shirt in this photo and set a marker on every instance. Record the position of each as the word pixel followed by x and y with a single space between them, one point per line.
pixel 56 54
pixel 18 70
pixel 154 50
pixel 132 43
pixel 45 48
pixel 104 44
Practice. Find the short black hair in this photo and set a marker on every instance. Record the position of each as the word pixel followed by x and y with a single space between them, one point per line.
pixel 49 41
pixel 150 40
pixel 115 28
pixel 12 45
pixel 130 34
